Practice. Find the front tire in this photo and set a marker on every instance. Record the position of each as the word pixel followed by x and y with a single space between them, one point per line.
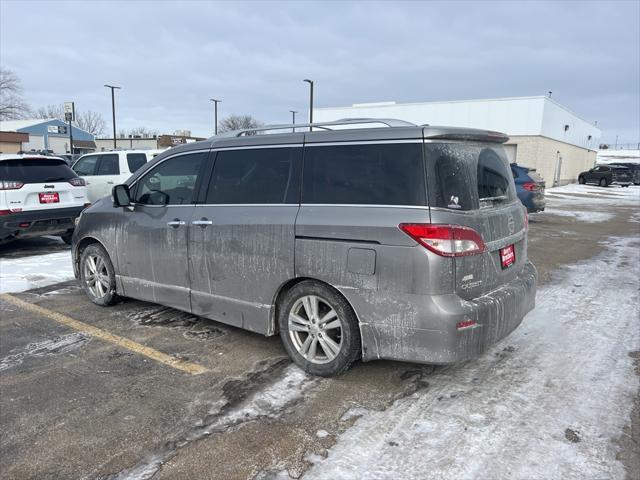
pixel 98 276
pixel 319 329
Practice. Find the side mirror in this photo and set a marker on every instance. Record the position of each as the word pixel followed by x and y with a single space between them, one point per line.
pixel 121 196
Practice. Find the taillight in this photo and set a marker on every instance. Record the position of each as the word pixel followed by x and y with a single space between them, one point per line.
pixel 10 185
pixel 530 186
pixel 5 212
pixel 445 240
pixel 77 182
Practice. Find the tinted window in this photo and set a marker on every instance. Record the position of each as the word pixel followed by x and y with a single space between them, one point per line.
pixel 36 170
pixel 268 175
pixel 493 176
pixel 172 182
pixel 86 165
pixel 390 174
pixel 109 165
pixel 135 161
pixel 467 176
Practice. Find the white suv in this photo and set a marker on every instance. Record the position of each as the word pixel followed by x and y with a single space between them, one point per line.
pixel 102 170
pixel 39 195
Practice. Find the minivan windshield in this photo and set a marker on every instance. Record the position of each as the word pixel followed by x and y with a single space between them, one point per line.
pixel 465 176
pixel 36 170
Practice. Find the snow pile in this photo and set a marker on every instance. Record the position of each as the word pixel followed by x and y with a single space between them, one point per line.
pixel 547 402
pixel 20 274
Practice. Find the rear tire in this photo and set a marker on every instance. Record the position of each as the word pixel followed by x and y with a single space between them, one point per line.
pixel 581 180
pixel 603 182
pixel 319 329
pixel 98 276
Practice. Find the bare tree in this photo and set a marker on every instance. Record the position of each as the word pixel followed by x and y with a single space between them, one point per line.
pixel 88 120
pixel 12 105
pixel 138 131
pixel 238 122
pixel 91 121
pixel 50 111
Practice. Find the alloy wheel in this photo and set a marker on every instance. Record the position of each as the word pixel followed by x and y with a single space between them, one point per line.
pixel 96 276
pixel 315 329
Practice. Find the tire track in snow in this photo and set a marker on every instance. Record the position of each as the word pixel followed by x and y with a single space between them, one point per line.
pixel 505 415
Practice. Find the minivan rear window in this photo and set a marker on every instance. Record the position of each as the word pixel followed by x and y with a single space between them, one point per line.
pixel 36 170
pixel 468 176
pixel 376 174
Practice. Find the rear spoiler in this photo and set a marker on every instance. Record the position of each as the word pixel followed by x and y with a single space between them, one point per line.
pixel 493 137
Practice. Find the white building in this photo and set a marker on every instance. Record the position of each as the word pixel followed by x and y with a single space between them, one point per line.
pixel 542 133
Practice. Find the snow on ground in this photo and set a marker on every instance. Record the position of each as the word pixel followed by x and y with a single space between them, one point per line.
pixel 612 156
pixel 546 402
pixel 589 217
pixel 20 274
pixel 624 194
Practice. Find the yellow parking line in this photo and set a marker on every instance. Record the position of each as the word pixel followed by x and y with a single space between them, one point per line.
pixel 187 367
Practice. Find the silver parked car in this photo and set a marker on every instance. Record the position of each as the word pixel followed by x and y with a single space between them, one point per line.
pixel 401 242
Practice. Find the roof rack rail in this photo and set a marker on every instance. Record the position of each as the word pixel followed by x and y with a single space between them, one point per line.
pixel 389 122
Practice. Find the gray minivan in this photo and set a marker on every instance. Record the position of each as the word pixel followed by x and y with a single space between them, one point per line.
pixel 401 242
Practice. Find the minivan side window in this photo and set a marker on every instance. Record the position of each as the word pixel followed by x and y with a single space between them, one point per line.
pixel 172 182
pixel 261 175
pixel 376 174
pixel 109 165
pixel 135 161
pixel 86 165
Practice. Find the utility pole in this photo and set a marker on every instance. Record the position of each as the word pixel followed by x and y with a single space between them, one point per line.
pixel 310 82
pixel 113 112
pixel 293 122
pixel 215 114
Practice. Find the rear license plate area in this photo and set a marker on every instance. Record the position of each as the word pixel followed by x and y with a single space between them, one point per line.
pixel 49 197
pixel 507 256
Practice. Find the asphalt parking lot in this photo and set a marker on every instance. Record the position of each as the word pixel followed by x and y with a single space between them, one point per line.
pixel 140 391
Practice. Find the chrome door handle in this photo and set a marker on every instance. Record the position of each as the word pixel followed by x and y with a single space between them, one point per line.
pixel 203 222
pixel 175 223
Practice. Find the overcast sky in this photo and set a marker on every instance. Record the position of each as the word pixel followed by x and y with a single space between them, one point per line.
pixel 171 57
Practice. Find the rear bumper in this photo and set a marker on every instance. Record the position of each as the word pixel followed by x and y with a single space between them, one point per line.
pixel 39 222
pixel 534 201
pixel 429 333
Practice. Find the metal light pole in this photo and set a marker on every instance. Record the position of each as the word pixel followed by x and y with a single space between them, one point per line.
pixel 310 82
pixel 215 115
pixel 113 112
pixel 293 122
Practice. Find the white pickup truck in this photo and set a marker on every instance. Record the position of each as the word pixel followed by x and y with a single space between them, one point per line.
pixel 102 170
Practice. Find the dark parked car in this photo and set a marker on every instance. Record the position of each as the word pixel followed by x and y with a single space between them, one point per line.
pixel 529 187
pixel 635 170
pixel 605 175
